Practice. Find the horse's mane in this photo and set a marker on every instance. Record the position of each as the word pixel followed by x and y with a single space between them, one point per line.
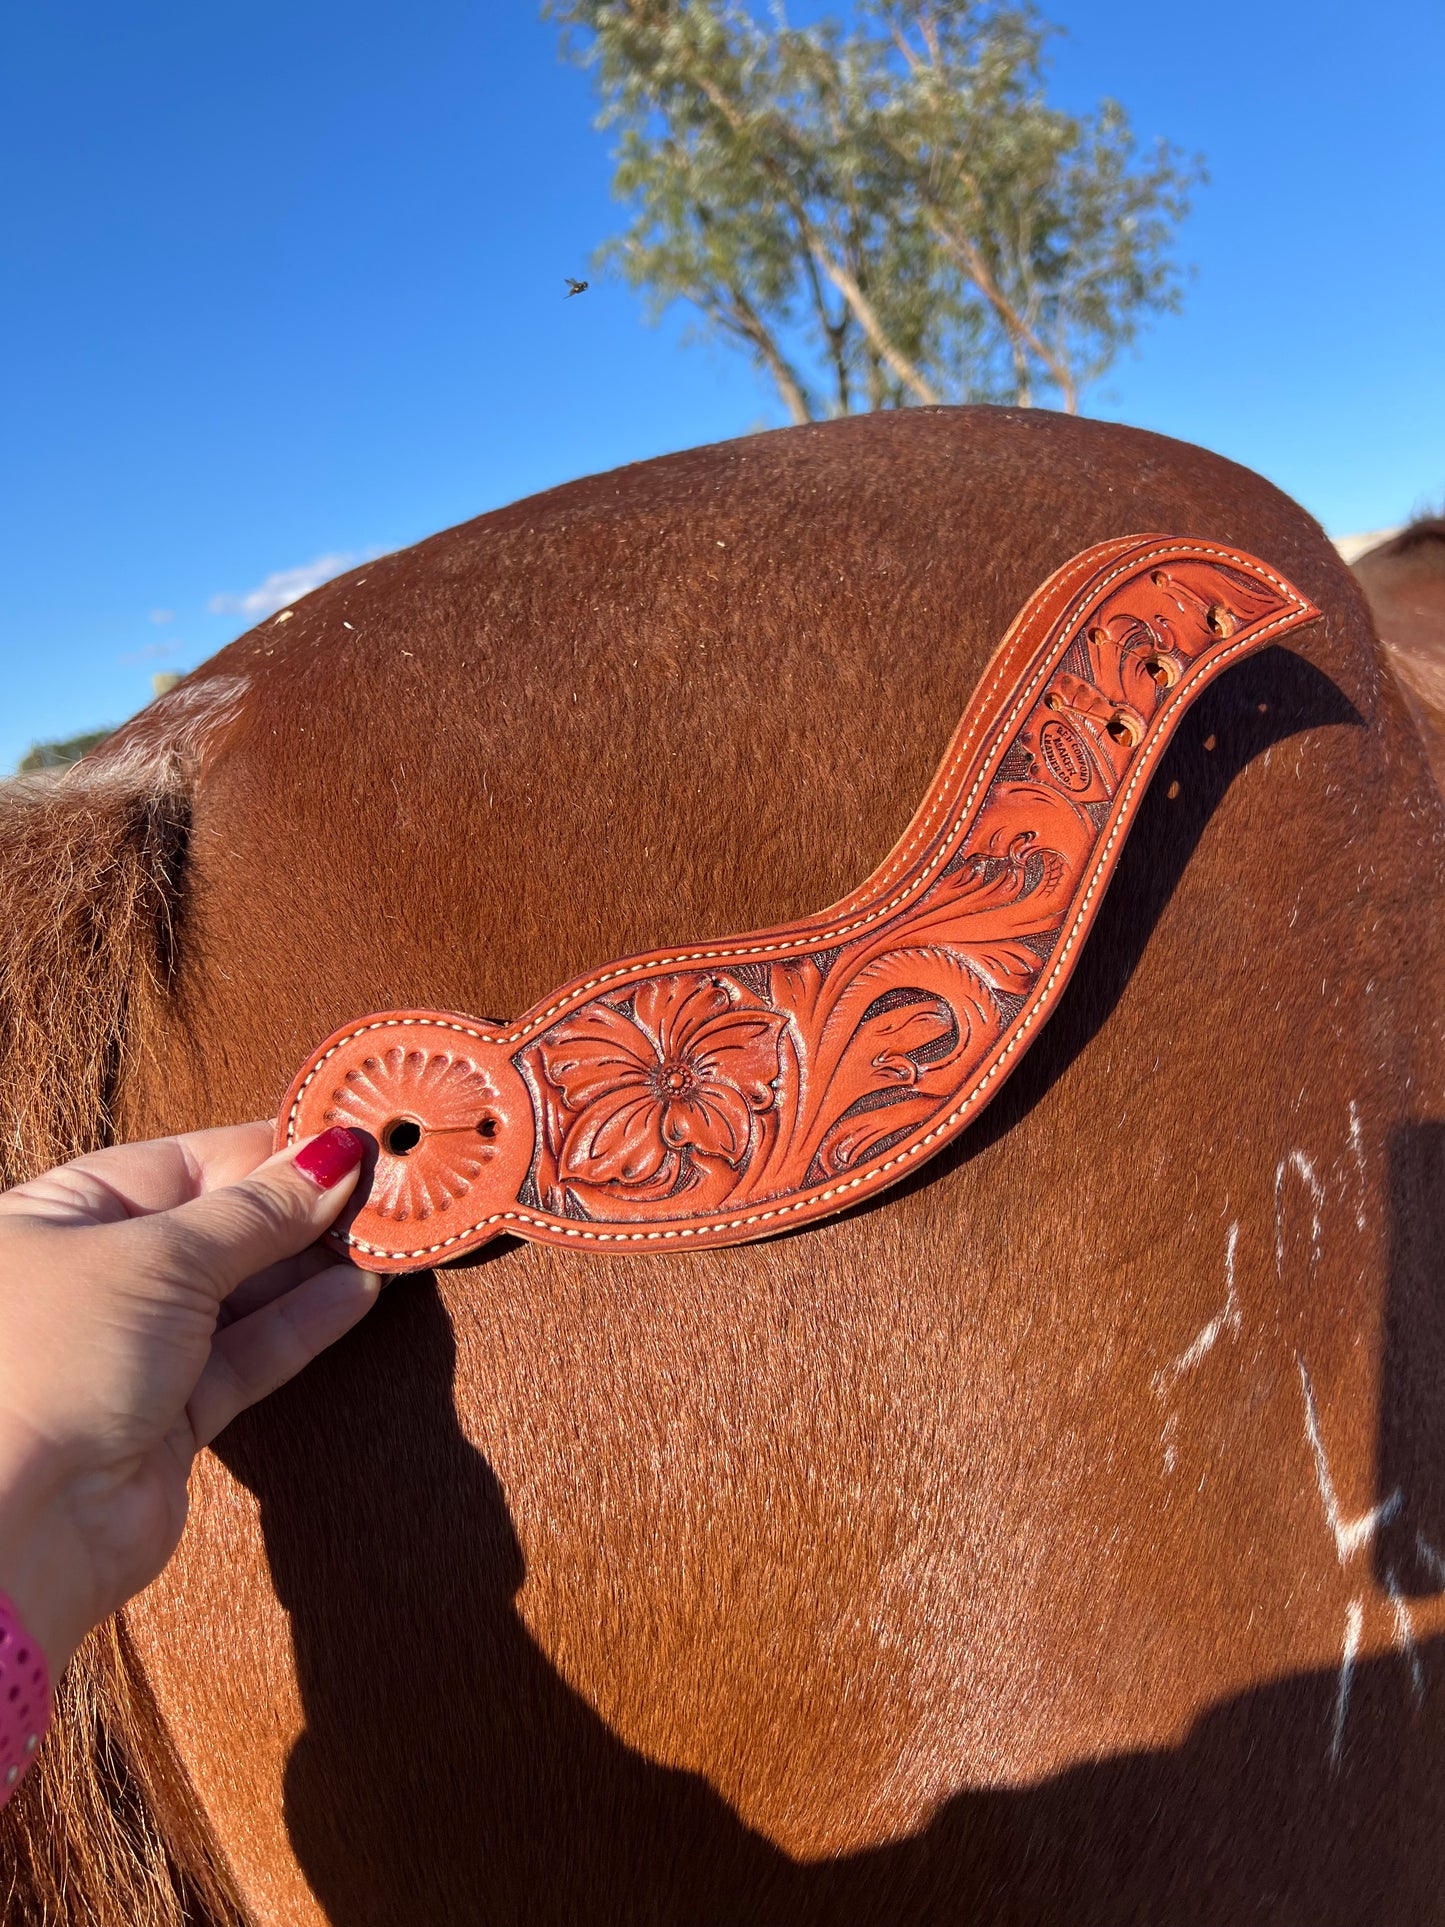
pixel 1424 530
pixel 1421 543
pixel 105 1829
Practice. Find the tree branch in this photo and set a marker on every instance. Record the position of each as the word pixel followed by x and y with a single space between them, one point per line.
pixel 911 377
pixel 739 314
pixel 834 332
pixel 970 259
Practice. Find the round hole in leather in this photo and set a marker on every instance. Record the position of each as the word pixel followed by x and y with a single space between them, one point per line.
pixel 472 1118
pixel 402 1135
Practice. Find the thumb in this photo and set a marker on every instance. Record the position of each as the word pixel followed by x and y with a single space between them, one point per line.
pixel 283 1206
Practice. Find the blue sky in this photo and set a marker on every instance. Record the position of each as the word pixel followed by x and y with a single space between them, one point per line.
pixel 284 289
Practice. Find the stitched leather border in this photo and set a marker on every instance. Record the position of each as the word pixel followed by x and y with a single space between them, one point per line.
pixel 672 1099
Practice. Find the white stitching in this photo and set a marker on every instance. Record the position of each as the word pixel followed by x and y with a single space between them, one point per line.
pixel 1287 618
pixel 900 1157
pixel 940 788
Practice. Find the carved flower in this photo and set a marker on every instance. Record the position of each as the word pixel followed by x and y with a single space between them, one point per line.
pixel 692 1063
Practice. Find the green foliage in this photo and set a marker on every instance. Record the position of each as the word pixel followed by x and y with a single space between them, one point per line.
pixel 60 755
pixel 883 213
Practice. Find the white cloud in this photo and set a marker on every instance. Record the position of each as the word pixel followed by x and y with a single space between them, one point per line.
pixel 152 652
pixel 163 615
pixel 286 585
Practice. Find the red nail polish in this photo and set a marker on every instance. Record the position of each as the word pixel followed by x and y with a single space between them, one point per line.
pixel 327 1159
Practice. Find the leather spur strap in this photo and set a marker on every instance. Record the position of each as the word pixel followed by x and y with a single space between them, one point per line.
pixel 722 1091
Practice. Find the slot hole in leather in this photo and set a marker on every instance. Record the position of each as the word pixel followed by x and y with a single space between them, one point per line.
pixel 1161 670
pixel 1124 729
pixel 487 1127
pixel 401 1136
pixel 1221 620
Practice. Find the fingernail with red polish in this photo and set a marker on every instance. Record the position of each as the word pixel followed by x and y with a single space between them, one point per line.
pixel 327 1159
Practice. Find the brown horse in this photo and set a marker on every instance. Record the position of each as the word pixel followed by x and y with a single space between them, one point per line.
pixel 1404 581
pixel 1060 1538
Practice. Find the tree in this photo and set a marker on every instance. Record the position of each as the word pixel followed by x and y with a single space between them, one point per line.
pixel 880 214
pixel 60 755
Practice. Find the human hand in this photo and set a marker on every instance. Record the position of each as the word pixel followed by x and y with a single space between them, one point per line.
pixel 149 1293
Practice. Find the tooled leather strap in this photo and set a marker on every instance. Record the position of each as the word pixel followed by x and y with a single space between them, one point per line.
pixel 716 1093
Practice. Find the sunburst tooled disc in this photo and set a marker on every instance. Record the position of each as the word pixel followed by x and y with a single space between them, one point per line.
pixel 440 1118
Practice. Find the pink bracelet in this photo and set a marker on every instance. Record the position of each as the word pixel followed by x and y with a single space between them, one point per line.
pixel 24 1698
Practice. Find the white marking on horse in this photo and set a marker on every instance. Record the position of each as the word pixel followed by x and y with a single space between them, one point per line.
pixel 1354 1625
pixel 1357 1142
pixel 1349 1534
pixel 1405 1636
pixel 1228 1320
pixel 1297 1161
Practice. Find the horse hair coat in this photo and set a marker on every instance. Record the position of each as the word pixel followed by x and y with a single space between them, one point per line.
pixel 1060 1538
